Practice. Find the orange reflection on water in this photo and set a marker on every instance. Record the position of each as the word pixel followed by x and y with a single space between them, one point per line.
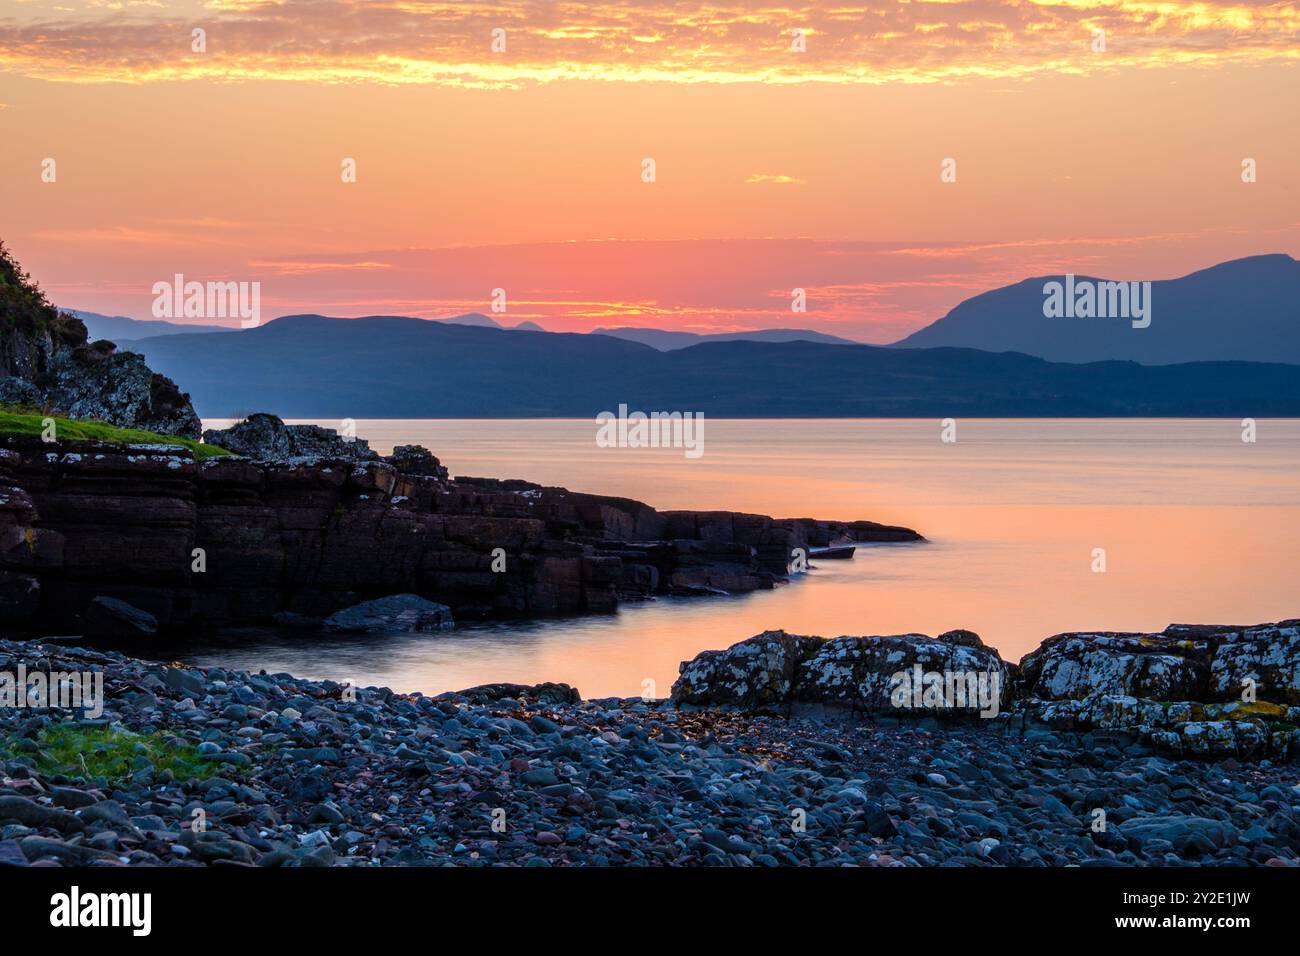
pixel 1196 527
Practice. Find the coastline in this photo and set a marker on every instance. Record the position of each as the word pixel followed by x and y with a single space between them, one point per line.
pixel 291 535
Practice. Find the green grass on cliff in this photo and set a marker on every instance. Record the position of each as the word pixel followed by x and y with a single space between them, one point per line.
pixel 22 421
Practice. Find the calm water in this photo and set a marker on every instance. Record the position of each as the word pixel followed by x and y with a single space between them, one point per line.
pixel 1197 526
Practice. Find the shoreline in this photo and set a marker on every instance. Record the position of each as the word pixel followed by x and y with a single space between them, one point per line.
pixel 289 772
pixel 302 524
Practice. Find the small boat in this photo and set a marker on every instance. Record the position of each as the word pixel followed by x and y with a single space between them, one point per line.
pixel 836 552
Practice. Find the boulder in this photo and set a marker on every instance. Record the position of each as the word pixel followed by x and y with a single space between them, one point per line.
pixel 395 613
pixel 908 675
pixel 96 382
pixel 1182 831
pixel 266 437
pixel 110 619
pixel 1074 666
pixel 1267 655
pixel 1191 690
pixel 417 460
pixel 546 693
pixel 757 674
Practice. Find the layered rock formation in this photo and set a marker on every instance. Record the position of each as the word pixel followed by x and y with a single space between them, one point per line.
pixel 228 541
pixel 1190 691
pixel 46 361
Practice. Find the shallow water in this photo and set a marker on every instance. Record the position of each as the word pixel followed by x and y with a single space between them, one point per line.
pixel 1197 526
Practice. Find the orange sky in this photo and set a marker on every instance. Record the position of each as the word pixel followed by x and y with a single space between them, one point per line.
pixel 521 169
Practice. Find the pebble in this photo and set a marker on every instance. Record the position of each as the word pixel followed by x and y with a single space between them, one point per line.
pixel 295 775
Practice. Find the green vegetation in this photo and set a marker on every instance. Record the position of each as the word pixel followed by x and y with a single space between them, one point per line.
pixel 22 304
pixel 15 420
pixel 113 753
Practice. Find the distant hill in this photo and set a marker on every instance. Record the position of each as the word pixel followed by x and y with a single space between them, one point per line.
pixel 126 331
pixel 1245 310
pixel 479 320
pixel 119 328
pixel 308 366
pixel 666 341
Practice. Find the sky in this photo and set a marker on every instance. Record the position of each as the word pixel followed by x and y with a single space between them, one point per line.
pixel 794 146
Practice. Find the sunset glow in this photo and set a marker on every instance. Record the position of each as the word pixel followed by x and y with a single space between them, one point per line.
pixel 520 167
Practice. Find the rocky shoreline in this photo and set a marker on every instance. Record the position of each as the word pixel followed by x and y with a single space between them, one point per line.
pixel 191 767
pixel 307 523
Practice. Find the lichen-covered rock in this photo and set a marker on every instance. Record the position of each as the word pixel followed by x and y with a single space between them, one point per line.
pixel 898 675
pixel 1191 690
pixel 99 383
pixel 1268 655
pixel 265 437
pixel 757 674
pixel 1156 666
pixel 1183 662
pixel 395 613
pixel 908 675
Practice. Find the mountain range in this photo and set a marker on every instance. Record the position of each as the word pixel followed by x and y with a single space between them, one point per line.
pixel 312 366
pixel 666 341
pixel 1243 310
pixel 1212 347
pixel 119 328
pixel 126 331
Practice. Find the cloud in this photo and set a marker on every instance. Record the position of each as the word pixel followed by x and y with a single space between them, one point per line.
pixel 774 180
pixel 307 267
pixel 695 41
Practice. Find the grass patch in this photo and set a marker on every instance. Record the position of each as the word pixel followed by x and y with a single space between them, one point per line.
pixel 113 753
pixel 21 421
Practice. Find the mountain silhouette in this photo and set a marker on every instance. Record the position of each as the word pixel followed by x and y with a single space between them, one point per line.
pixel 1242 310
pixel 666 341
pixel 311 366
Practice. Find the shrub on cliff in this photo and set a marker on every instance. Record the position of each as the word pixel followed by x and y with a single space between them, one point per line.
pixel 45 360
pixel 31 330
